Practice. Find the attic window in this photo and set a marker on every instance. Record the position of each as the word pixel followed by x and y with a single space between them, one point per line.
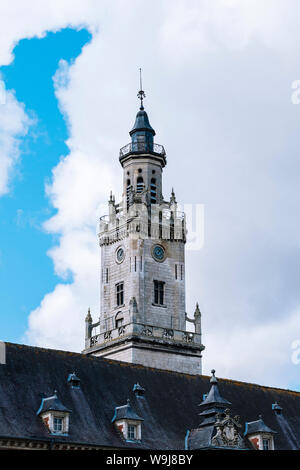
pixel 266 444
pixel 132 432
pixel 260 435
pixel 58 425
pixel 138 390
pixel 128 422
pixel 74 381
pixel 55 415
pixel 277 408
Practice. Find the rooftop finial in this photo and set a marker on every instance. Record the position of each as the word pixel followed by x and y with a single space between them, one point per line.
pixel 213 379
pixel 141 94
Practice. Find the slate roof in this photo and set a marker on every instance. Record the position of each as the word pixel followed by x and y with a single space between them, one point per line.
pixel 169 406
pixel 258 426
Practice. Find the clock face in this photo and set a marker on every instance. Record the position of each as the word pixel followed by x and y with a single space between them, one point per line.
pixel 120 255
pixel 158 253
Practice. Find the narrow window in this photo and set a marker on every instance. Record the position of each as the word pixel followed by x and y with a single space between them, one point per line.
pixel 160 224
pixel 131 432
pixel 181 272
pixel 106 275
pixel 120 293
pixel 135 263
pixel 159 292
pixel 141 264
pixel 139 184
pixel 266 444
pixel 175 271
pixel 128 189
pixel 153 195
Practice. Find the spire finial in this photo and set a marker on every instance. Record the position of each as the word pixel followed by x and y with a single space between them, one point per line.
pixel 141 94
pixel 197 312
pixel 213 379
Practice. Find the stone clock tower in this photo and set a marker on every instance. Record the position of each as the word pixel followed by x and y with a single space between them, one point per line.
pixel 142 239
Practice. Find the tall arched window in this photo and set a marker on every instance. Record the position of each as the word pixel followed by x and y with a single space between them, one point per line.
pixel 139 184
pixel 153 194
pixel 128 189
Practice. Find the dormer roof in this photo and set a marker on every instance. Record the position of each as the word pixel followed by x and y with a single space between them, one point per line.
pixel 126 412
pixel 256 427
pixel 52 403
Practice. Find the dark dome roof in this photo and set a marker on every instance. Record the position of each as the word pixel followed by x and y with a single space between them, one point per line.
pixel 142 123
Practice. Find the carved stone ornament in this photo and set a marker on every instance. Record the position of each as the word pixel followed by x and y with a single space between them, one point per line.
pixel 188 337
pixel 121 330
pixel 147 331
pixel 168 333
pixel 107 335
pixel 94 340
pixel 228 432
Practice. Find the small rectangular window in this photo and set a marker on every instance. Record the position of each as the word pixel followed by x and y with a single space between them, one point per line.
pixel 131 432
pixel 120 293
pixel 57 424
pixel 159 292
pixel 181 272
pixel 266 444
pixel 106 275
pixel 135 263
pixel 175 271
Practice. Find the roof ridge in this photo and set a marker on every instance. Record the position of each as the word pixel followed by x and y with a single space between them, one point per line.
pixel 127 364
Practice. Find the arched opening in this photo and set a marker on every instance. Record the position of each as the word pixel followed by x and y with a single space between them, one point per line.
pixel 119 319
pixel 139 184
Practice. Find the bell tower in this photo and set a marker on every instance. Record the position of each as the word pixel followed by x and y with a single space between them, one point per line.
pixel 142 239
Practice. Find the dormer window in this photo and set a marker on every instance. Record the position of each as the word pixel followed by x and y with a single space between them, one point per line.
pixel 55 415
pixel 128 423
pixel 58 425
pixel 132 432
pixel 74 381
pixel 260 435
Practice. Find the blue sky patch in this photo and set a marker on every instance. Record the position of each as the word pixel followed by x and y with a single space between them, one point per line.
pixel 26 273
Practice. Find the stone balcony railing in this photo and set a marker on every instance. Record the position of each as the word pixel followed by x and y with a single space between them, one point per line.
pixel 150 332
pixel 141 147
pixel 171 225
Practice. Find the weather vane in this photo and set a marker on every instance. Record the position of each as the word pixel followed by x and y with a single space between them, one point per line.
pixel 141 94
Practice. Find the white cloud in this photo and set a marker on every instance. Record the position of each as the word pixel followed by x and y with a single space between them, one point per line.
pixel 218 80
pixel 263 352
pixel 13 125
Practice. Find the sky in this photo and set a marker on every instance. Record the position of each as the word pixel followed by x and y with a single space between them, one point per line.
pixel 221 92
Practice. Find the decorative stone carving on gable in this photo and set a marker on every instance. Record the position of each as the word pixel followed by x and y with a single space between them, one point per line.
pixel 228 431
